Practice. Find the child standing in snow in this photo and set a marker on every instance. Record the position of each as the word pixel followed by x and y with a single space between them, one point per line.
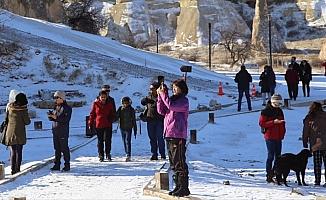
pixel 127 120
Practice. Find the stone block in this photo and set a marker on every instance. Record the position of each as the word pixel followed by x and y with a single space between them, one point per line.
pixel 162 180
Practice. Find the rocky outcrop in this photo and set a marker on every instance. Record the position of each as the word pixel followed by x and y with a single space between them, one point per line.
pixel 192 24
pixel 260 30
pixel 50 10
pixel 311 8
pixel 142 18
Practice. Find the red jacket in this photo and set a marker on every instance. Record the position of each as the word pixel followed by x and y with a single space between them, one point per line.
pixel 266 120
pixel 102 115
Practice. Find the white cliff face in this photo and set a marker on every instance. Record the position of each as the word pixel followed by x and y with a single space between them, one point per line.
pixel 192 24
pixel 313 9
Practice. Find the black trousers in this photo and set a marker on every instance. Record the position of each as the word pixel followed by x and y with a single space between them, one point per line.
pixel 104 135
pixel 61 147
pixel 319 157
pixel 177 157
pixel 16 155
pixel 293 91
pixel 306 84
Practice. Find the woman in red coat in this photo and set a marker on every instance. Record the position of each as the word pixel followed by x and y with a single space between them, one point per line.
pixel 101 117
pixel 273 125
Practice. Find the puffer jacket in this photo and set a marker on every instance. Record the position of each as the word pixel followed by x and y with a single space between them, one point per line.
pixel 266 120
pixel 60 125
pixel 176 115
pixel 17 120
pixel 127 118
pixel 313 128
pixel 102 115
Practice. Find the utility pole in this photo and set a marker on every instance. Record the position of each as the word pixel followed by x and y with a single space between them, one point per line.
pixel 209 46
pixel 156 40
pixel 270 39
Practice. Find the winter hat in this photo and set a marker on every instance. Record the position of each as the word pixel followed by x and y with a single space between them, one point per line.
pixel 60 94
pixel 12 95
pixel 276 100
pixel 126 99
pixel 21 99
pixel 105 88
pixel 155 85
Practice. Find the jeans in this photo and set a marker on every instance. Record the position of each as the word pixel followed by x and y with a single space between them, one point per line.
pixel 16 153
pixel 274 148
pixel 126 139
pixel 155 134
pixel 247 97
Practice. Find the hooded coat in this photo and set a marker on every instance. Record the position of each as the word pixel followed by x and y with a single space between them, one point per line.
pixel 17 120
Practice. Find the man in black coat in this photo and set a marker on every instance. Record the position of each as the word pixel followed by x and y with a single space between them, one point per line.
pixel 306 77
pixel 60 117
pixel 243 78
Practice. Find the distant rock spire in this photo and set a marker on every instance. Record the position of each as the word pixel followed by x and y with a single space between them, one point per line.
pixel 260 29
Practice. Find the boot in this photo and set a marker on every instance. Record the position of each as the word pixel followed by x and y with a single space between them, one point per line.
pixel 269 177
pixel 184 184
pixel 66 168
pixel 177 185
pixel 56 167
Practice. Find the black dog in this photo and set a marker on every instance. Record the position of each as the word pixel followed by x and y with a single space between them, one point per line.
pixel 288 161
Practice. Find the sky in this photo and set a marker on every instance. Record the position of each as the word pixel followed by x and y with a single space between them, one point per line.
pixel 231 149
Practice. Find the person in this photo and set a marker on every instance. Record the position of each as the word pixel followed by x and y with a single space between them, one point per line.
pixel 306 77
pixel 243 78
pixel 107 89
pixel 272 121
pixel 176 111
pixel 154 123
pixel 60 117
pixel 267 83
pixel 15 136
pixel 324 65
pixel 101 117
pixel 127 119
pixel 295 66
pixel 292 81
pixel 314 131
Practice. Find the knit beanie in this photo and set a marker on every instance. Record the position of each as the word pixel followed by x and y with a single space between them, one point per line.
pixel 60 94
pixel 276 100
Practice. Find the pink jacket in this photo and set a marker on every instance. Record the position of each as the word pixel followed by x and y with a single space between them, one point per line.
pixel 176 115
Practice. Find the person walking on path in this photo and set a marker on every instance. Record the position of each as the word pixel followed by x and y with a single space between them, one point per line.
pixel 243 78
pixel 272 122
pixel 15 136
pixel 60 117
pixel 127 120
pixel 154 123
pixel 292 81
pixel 306 77
pixel 267 83
pixel 101 117
pixel 176 111
pixel 314 133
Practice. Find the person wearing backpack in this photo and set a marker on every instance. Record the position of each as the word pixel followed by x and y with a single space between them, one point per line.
pixel 272 121
pixel 127 120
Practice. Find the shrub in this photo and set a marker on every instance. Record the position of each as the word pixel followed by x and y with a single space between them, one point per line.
pixel 74 75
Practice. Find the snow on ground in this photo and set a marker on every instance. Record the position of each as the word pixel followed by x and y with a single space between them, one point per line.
pixel 231 149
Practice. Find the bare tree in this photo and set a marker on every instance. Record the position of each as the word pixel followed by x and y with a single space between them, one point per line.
pixel 83 16
pixel 237 44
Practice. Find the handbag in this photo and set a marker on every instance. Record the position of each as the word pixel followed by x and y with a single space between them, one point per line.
pixel 3 129
pixel 143 115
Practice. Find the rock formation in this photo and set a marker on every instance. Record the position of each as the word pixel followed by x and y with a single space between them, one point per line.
pixel 260 30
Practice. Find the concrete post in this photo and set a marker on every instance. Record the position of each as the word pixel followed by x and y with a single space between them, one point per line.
pixel 287 103
pixel 162 180
pixel 38 125
pixel 193 136
pixel 211 118
pixel 2 171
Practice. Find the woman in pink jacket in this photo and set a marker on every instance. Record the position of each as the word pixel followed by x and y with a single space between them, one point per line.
pixel 176 110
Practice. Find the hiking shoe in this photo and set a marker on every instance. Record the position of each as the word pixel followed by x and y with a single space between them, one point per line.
pixel 55 168
pixel 181 192
pixel 66 168
pixel 128 159
pixel 154 158
pixel 163 157
pixel 108 157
